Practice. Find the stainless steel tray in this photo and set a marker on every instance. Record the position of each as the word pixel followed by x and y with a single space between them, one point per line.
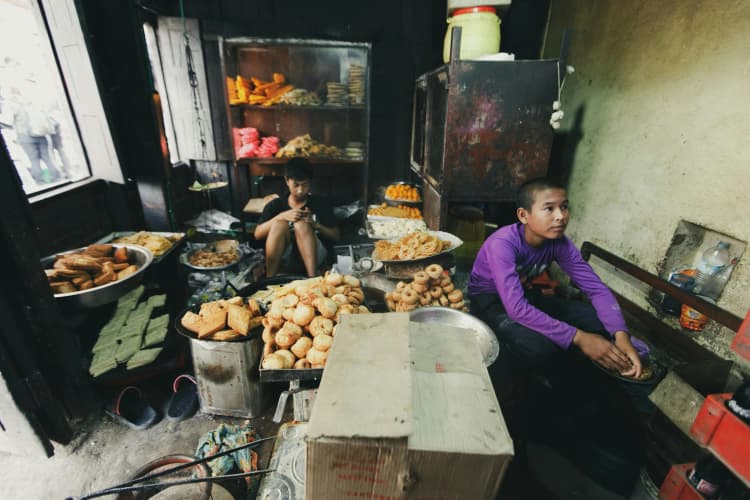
pixel 486 339
pixel 104 294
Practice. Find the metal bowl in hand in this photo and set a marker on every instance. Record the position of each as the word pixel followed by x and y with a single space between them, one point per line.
pixel 486 339
pixel 109 292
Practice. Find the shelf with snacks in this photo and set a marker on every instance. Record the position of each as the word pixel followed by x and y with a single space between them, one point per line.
pixel 292 97
pixel 292 107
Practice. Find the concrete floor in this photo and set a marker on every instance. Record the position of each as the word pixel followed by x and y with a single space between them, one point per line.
pixel 104 453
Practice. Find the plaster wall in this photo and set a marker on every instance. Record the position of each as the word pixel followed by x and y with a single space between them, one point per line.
pixel 664 91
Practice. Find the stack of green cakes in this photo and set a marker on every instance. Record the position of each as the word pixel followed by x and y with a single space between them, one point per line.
pixel 131 336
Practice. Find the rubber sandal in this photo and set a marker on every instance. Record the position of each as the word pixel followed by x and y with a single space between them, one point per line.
pixel 132 409
pixel 184 400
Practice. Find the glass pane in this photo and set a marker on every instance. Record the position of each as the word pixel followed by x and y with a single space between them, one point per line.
pixel 35 118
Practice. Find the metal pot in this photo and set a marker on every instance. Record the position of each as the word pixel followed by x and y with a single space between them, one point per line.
pixel 104 294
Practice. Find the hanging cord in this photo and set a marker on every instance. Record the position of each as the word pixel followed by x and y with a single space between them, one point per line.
pixel 193 81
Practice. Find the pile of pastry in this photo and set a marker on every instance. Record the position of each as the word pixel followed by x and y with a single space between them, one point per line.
pixel 95 266
pixel 301 320
pixel 223 319
pixel 429 287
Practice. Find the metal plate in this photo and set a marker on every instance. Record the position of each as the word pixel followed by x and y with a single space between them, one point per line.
pixel 658 374
pixel 454 240
pixel 179 238
pixel 186 261
pixel 486 339
pixel 104 294
pixel 288 461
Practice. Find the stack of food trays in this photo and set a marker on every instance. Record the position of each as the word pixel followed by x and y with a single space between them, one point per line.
pixel 398 215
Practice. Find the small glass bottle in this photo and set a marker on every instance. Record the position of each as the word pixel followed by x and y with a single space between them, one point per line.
pixel 709 476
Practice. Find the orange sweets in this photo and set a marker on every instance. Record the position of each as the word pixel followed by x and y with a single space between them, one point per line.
pixel 403 211
pixel 402 192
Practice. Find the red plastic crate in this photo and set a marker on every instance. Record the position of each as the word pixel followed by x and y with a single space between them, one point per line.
pixel 676 485
pixel 724 434
pixel 741 342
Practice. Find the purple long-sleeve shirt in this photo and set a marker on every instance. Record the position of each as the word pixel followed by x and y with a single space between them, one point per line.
pixel 505 262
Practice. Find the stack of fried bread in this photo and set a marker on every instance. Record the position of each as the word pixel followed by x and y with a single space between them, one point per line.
pixel 95 266
pixel 223 319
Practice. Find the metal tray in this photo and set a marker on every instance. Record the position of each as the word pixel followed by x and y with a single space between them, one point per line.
pixel 185 259
pixel 374 236
pixel 157 258
pixel 486 338
pixel 408 202
pixel 104 294
pixel 454 240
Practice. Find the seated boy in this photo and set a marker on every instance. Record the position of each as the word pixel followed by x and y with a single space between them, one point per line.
pixel 296 226
pixel 536 328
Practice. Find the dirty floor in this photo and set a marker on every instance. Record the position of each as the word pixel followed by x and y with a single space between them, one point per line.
pixel 105 453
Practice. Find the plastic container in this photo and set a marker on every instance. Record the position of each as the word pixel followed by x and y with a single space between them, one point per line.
pixel 480 32
pixel 467 222
pixel 692 319
pixel 715 259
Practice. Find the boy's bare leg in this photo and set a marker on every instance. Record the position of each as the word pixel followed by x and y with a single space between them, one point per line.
pixel 307 246
pixel 276 242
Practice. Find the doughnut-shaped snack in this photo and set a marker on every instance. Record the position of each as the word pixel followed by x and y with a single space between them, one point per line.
pixel 456 296
pixel 409 297
pixel 434 271
pixel 421 277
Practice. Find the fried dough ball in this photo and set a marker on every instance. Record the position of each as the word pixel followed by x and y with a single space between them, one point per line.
pixel 321 326
pixel 351 281
pixel 288 313
pixel 302 364
pixel 322 342
pixel 316 357
pixel 301 347
pixel 303 314
pixel 327 307
pixel 273 362
pixel 287 356
pixel 334 279
pixel 340 299
pixel 267 335
pixel 456 296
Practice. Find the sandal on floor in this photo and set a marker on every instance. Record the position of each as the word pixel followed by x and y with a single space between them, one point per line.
pixel 184 400
pixel 132 409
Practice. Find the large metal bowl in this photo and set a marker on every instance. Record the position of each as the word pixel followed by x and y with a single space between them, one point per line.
pixel 486 339
pixel 104 294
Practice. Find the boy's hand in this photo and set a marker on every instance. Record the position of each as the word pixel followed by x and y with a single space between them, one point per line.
pixel 622 340
pixel 602 351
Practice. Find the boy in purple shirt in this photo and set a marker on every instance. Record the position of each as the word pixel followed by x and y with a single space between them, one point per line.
pixel 536 327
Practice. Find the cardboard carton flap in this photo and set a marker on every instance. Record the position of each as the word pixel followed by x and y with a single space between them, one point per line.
pixel 455 408
pixel 366 386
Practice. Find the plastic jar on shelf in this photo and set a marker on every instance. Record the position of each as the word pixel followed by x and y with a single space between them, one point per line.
pixel 480 32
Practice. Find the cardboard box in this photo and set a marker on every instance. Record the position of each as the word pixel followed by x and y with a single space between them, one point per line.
pixel 405 411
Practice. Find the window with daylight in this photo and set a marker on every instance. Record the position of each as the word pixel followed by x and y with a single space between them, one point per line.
pixel 35 115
